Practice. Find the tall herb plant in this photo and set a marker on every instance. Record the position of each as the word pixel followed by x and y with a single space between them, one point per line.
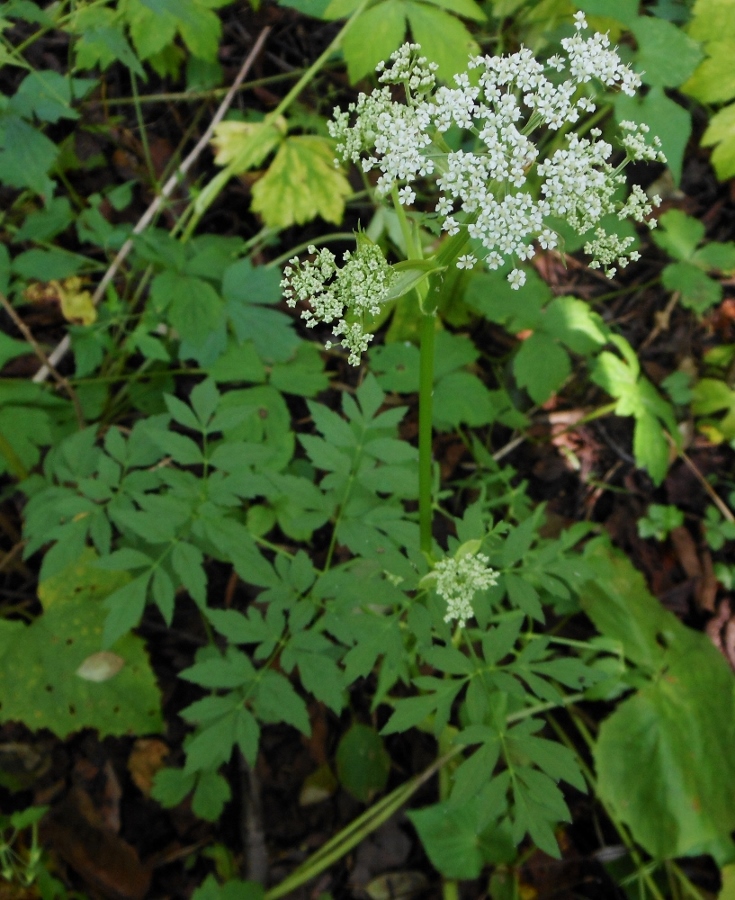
pixel 449 639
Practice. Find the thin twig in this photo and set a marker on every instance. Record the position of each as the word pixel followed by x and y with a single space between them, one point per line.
pixel 14 551
pixel 45 360
pixel 714 496
pixel 145 220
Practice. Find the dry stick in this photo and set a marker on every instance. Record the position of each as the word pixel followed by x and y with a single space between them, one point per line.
pixel 714 496
pixel 46 362
pixel 145 220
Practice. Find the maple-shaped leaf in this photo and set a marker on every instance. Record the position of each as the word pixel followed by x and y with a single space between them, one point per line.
pixel 301 183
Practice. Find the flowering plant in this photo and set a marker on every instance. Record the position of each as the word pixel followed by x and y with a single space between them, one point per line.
pixel 501 195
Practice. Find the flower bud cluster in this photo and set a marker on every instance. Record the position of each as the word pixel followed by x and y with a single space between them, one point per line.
pixel 360 286
pixel 458 580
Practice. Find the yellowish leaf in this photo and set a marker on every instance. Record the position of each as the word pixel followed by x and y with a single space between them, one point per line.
pixel 301 183
pixel 76 304
pixel 244 145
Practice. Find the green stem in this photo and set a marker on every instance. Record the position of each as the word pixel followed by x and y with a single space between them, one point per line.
pixel 317 64
pixel 426 404
pixel 427 340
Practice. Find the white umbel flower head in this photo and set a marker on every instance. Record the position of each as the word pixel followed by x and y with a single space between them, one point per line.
pixel 458 580
pixel 496 197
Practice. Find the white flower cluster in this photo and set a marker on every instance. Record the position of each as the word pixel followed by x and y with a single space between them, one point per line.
pixel 458 580
pixel 487 192
pixel 360 286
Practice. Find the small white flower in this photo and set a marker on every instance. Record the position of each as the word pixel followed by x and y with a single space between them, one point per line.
pixel 517 279
pixel 406 196
pixel 580 20
pixel 458 580
pixel 467 261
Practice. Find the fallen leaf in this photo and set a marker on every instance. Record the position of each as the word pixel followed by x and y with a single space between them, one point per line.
pixel 145 761
pixel 100 666
pixel 105 861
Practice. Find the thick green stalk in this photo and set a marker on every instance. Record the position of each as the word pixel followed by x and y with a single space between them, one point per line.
pixel 426 383
pixel 426 410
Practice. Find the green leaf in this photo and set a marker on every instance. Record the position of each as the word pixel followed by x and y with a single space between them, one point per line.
pixel 386 25
pixel 523 595
pixel 314 8
pixel 622 608
pixel 170 786
pixel 11 349
pixel 303 374
pixel 52 648
pixel 238 628
pixel 45 94
pixel 150 33
pixel 716 257
pixel 468 9
pixel 104 43
pixel 541 366
pixel 301 184
pixel 454 842
pixel 211 794
pixel 242 146
pixel 714 79
pixel 277 701
pixel 624 11
pixel 645 752
pixel 181 449
pixel 187 562
pixel 363 764
pixel 519 542
pixel 196 309
pixel 29 168
pixel 232 670
pixel 125 559
pixel 46 223
pixel 650 447
pixel 47 265
pixel 239 362
pixel 198 26
pixel 234 889
pixel 461 398
pixel 572 322
pixel 698 291
pixel 408 274
pixel 444 39
pixel 125 605
pixel 666 55
pixel 720 134
pixel 678 234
